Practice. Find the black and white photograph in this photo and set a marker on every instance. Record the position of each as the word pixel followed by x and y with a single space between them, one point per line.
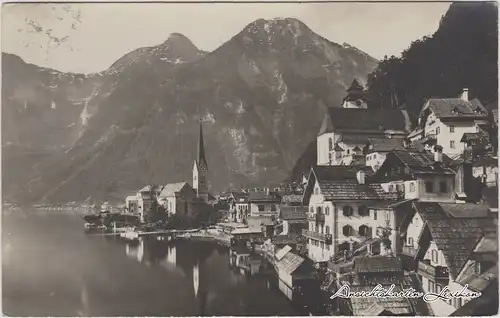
pixel 249 158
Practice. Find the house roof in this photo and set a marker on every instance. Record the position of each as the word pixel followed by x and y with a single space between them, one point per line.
pixel 377 264
pixel 290 262
pixel 340 183
pixel 362 306
pixel 172 188
pixel 363 119
pixel 291 198
pixel 263 197
pixel 239 195
pixel 385 144
pixel 293 212
pixel 353 139
pixel 455 236
pixel 156 188
pixel 422 162
pixel 444 108
pixel 471 136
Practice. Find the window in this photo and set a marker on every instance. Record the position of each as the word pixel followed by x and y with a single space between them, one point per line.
pixel 327 229
pixel 375 214
pixel 363 210
pixel 311 227
pixel 452 144
pixel 330 143
pixel 434 254
pixel 273 207
pixel 438 130
pixel 477 268
pixel 347 230
pixel 322 245
pixel 316 191
pixel 318 210
pixel 410 241
pixel 429 187
pixel 412 187
pixel 391 188
pixel 439 288
pixel 348 151
pixel 347 210
pixel 364 230
pixel 442 187
pixel 452 128
pixel 327 210
pixel 261 207
pixel 311 210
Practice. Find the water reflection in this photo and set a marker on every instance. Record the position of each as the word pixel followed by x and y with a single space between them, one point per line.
pixel 51 268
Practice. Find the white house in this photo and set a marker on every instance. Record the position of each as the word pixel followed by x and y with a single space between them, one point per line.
pixel 345 130
pixel 339 198
pixel 441 238
pixel 444 121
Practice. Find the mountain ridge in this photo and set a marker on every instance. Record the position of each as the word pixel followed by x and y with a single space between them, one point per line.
pixel 261 95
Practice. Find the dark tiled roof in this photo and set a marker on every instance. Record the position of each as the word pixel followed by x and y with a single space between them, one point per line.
pixel 443 108
pixel 471 136
pixel 455 237
pixel 362 306
pixel 263 197
pixel 422 162
pixel 291 198
pixel 352 190
pixel 353 139
pixel 377 264
pixel 366 119
pixel 293 212
pixel 340 183
pixel 385 144
pixel 464 210
pixel 239 195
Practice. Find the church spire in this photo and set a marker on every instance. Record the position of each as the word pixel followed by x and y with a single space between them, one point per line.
pixel 201 148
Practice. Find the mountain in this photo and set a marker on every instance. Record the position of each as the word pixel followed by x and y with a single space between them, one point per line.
pixel 261 95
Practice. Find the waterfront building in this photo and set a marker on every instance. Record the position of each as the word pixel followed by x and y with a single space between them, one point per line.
pixel 345 130
pixel 293 219
pixel 441 244
pixel 338 198
pixel 295 273
pixel 132 204
pixel 145 198
pixel 238 206
pixel 263 209
pixel 444 121
pixel 177 197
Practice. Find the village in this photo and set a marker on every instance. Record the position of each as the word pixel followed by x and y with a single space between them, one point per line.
pixel 385 203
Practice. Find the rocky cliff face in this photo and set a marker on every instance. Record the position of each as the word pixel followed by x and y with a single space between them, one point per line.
pixel 261 96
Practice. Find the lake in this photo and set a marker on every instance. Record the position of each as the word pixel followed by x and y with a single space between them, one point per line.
pixel 52 268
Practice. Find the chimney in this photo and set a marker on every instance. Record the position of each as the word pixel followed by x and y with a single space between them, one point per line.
pixel 438 153
pixel 465 94
pixel 360 175
pixel 267 191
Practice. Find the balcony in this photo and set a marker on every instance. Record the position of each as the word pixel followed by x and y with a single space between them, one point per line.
pixel 325 238
pixel 432 272
pixel 317 217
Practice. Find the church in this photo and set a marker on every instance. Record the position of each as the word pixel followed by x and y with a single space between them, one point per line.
pixel 200 170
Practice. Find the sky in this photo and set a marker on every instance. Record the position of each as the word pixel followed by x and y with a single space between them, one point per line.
pixel 89 37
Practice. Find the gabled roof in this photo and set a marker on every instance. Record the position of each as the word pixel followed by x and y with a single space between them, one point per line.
pixel 293 212
pixel 455 237
pixel 173 188
pixel 456 108
pixel 156 188
pixel 239 195
pixel 421 162
pixel 377 120
pixel 289 262
pixel 340 183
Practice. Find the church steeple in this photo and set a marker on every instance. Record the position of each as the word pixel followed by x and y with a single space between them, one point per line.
pixel 201 149
pixel 200 169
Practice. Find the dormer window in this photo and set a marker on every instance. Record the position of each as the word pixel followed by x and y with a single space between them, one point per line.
pixel 478 110
pixel 455 111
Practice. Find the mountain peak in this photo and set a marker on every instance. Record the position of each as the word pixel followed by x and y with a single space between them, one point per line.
pixel 276 24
